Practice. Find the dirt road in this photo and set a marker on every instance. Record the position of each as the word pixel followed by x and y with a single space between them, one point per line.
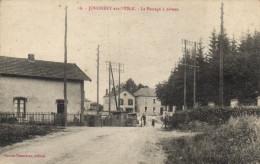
pixel 104 145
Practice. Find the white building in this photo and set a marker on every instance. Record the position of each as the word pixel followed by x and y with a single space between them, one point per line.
pixel 127 102
pixel 29 85
pixel 147 102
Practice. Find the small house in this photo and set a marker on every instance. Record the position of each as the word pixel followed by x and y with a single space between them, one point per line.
pixel 126 102
pixel 29 85
pixel 147 102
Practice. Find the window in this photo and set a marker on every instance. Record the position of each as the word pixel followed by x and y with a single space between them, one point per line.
pixel 20 106
pixel 145 109
pixel 153 109
pixel 130 102
pixel 121 102
pixel 154 101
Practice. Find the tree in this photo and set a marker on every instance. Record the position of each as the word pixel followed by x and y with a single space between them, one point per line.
pixel 141 86
pixel 241 73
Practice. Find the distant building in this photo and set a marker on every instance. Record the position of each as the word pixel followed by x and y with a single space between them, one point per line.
pixel 29 85
pixel 147 102
pixel 127 102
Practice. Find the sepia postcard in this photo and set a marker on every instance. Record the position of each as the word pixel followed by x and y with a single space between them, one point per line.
pixel 129 81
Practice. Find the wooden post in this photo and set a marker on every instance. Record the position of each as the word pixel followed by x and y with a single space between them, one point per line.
pixel 185 53
pixel 65 71
pixel 221 60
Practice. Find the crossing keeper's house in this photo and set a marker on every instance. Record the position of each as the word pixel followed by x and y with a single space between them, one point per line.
pixel 29 85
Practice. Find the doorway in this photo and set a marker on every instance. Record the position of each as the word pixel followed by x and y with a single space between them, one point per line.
pixel 60 112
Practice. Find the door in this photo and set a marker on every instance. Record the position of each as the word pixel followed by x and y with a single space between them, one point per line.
pixel 60 112
pixel 60 108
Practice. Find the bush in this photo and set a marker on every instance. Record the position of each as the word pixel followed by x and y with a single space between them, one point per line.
pixel 213 116
pixel 237 141
pixel 12 133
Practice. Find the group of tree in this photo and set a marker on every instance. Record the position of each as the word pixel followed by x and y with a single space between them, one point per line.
pixel 241 73
pixel 131 86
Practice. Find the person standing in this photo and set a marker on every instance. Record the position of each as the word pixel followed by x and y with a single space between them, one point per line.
pixel 153 121
pixel 144 119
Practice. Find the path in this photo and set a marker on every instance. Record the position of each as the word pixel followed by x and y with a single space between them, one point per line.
pixel 115 145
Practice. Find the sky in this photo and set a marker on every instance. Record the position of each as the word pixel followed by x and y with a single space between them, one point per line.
pixel 147 41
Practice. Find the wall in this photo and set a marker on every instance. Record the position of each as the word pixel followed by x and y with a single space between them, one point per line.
pixel 41 94
pixel 123 95
pixel 142 102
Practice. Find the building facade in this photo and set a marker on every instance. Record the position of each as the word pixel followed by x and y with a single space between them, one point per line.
pixel 127 102
pixel 29 85
pixel 147 102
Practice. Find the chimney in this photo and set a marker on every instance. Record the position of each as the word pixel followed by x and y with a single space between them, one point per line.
pixel 31 57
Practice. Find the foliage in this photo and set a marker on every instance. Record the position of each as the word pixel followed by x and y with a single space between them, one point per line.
pixel 131 86
pixel 94 105
pixel 237 141
pixel 241 73
pixel 12 133
pixel 213 116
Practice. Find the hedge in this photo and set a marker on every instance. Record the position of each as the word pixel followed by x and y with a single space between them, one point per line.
pixel 211 115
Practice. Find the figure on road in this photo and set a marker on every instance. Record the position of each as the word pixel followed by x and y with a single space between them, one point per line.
pixel 144 119
pixel 153 121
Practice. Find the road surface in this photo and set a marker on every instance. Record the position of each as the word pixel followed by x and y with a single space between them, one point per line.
pixel 96 145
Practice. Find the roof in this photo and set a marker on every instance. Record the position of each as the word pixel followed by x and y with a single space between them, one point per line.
pixel 40 68
pixel 145 92
pixel 121 91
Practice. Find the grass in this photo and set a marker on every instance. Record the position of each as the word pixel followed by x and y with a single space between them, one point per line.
pixel 237 141
pixel 12 133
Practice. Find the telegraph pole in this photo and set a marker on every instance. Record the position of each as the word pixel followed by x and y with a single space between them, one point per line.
pixel 185 53
pixel 119 87
pixel 221 59
pixel 65 71
pixel 109 105
pixel 114 88
pixel 114 67
pixel 194 82
pixel 120 70
pixel 98 78
pixel 185 72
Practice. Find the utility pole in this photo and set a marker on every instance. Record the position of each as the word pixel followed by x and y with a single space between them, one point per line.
pixel 185 53
pixel 111 68
pixel 109 99
pixel 65 71
pixel 194 82
pixel 114 88
pixel 119 86
pixel 185 72
pixel 98 78
pixel 221 59
pixel 120 70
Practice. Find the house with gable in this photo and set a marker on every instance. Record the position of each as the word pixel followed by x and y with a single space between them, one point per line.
pixel 127 101
pixel 147 102
pixel 29 85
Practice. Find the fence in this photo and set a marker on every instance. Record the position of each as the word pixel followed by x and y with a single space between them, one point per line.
pixel 39 118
